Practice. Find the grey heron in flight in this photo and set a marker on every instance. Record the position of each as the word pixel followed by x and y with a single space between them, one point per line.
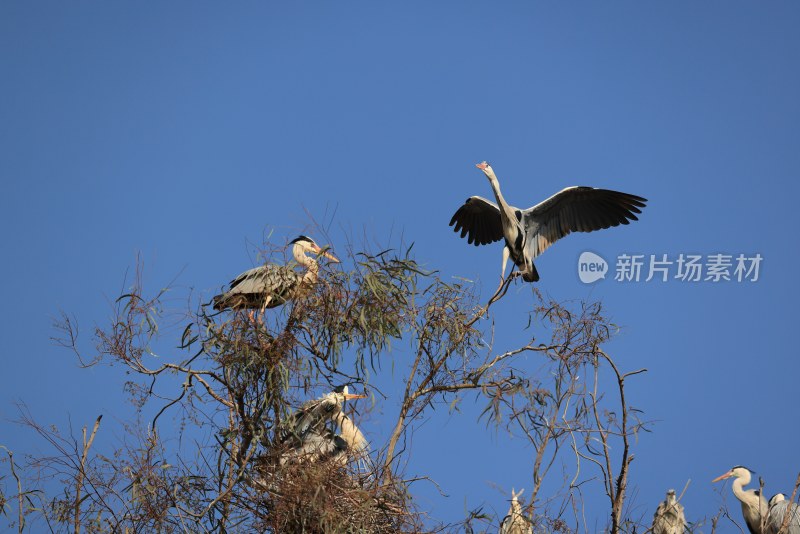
pixel 514 522
pixel 669 518
pixel 778 508
pixel 528 233
pixel 754 506
pixel 268 286
pixel 310 438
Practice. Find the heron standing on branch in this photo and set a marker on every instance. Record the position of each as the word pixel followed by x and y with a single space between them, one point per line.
pixel 669 518
pixel 268 286
pixel 310 437
pixel 754 507
pixel 530 232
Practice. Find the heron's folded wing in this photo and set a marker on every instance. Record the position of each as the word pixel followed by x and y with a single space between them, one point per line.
pixel 777 513
pixel 251 277
pixel 268 279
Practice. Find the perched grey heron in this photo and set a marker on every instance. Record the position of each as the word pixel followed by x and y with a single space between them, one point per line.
pixel 528 233
pixel 669 518
pixel 754 506
pixel 514 522
pixel 310 437
pixel 778 508
pixel 268 286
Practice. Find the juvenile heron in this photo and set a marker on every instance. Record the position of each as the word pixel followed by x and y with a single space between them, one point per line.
pixel 514 522
pixel 310 437
pixel 669 518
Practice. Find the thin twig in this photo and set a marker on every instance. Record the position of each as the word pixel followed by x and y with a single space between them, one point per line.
pixel 82 472
pixel 21 516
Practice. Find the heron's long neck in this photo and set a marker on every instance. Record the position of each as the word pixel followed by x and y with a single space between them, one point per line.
pixel 739 491
pixel 748 498
pixel 311 265
pixel 350 432
pixel 505 209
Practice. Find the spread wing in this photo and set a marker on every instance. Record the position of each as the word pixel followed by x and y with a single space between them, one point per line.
pixel 308 434
pixel 577 209
pixel 479 220
pixel 313 416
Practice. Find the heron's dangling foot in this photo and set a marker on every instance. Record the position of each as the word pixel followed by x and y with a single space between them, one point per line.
pixel 263 310
pixel 506 253
pixel 513 275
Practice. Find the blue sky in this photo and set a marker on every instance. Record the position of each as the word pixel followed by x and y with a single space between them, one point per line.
pixel 187 132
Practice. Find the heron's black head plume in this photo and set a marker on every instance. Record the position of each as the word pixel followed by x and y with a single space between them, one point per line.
pixel 301 238
pixel 743 467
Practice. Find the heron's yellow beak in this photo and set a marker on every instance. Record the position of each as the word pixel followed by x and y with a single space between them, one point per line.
pixel 723 477
pixel 331 257
pixel 326 254
pixel 349 396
